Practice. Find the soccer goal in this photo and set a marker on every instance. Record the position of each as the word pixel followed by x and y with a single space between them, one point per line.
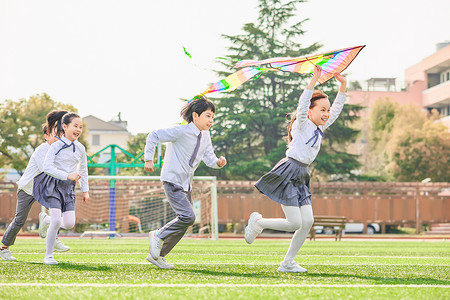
pixel 120 205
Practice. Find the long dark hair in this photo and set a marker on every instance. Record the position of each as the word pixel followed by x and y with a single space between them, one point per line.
pixel 66 119
pixel 198 106
pixel 315 96
pixel 53 118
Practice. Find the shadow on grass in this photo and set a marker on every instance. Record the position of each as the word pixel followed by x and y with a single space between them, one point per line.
pixel 382 280
pixel 79 267
pixel 229 274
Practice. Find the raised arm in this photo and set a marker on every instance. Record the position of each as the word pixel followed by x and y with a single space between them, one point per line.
pixel 338 103
pixel 305 99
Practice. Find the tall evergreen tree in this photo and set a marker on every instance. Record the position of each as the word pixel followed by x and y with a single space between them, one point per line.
pixel 252 119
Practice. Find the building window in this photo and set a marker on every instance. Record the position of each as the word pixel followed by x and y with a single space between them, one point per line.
pixel 448 76
pixel 95 140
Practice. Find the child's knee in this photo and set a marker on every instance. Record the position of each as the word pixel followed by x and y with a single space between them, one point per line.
pixel 188 219
pixel 308 222
pixel 295 225
pixel 56 222
pixel 69 224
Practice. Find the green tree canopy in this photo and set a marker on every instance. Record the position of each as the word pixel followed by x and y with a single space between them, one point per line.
pixel 251 126
pixel 21 128
pixel 406 143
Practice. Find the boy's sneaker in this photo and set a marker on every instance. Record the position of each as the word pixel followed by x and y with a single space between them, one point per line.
pixel 160 262
pixel 6 255
pixel 50 260
pixel 291 266
pixel 155 244
pixel 43 227
pixel 252 230
pixel 60 247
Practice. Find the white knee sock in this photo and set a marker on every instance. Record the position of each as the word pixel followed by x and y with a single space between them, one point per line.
pixel 301 234
pixel 292 222
pixel 66 221
pixel 55 224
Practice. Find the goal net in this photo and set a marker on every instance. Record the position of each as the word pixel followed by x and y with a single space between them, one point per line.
pixel 137 204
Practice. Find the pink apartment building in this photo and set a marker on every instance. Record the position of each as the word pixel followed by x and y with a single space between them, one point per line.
pixel 427 85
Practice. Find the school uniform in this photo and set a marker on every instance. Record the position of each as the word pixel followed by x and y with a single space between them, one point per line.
pixel 187 146
pixel 288 182
pixel 25 197
pixel 51 188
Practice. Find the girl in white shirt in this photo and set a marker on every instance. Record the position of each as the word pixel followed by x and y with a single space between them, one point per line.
pixel 288 182
pixel 64 165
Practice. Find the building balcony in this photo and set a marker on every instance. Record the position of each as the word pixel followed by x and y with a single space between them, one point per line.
pixel 437 96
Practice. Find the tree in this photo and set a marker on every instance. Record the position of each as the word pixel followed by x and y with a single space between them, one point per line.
pixel 407 144
pixel 21 128
pixel 252 120
pixel 135 146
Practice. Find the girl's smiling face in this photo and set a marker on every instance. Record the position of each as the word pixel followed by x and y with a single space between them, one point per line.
pixel 73 130
pixel 320 113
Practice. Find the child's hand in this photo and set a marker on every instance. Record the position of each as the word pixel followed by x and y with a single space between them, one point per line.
pixel 85 196
pixel 317 72
pixel 149 166
pixel 74 176
pixel 343 82
pixel 222 161
pixel 316 76
pixel 340 78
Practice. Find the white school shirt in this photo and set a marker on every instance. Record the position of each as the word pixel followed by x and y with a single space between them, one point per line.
pixel 67 162
pixel 303 128
pixel 35 166
pixel 181 141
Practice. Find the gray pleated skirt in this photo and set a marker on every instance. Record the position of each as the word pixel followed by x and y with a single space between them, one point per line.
pixel 287 183
pixel 52 192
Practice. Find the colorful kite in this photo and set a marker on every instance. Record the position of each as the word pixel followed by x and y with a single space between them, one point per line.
pixel 331 63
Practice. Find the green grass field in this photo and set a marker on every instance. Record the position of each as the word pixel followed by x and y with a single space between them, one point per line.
pixel 229 269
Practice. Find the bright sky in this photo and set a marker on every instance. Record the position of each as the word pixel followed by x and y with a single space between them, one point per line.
pixel 110 56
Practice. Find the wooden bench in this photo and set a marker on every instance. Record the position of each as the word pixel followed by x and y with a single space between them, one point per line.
pixel 329 221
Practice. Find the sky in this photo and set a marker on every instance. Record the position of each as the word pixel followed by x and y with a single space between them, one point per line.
pixel 111 56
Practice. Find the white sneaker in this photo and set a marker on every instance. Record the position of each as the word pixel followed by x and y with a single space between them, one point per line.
pixel 155 244
pixel 160 262
pixel 50 260
pixel 252 230
pixel 6 255
pixel 291 266
pixel 60 247
pixel 43 227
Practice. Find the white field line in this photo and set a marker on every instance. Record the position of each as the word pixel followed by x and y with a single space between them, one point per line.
pixel 180 263
pixel 232 254
pixel 220 285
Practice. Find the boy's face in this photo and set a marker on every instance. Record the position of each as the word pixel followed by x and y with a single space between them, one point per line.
pixel 204 121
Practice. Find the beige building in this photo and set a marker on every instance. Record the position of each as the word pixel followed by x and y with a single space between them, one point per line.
pixel 101 133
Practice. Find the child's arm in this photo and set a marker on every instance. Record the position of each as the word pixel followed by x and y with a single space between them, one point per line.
pixel 83 171
pixel 210 158
pixel 162 136
pixel 305 99
pixel 338 103
pixel 49 164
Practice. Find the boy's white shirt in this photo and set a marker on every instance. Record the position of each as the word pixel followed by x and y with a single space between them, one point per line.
pixel 67 162
pixel 303 128
pixel 181 141
pixel 35 166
